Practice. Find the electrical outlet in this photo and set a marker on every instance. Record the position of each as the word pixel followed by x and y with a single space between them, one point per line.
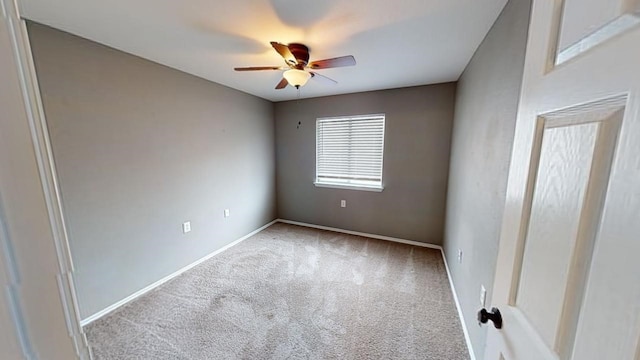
pixel 343 203
pixel 226 212
pixel 460 256
pixel 186 227
pixel 483 295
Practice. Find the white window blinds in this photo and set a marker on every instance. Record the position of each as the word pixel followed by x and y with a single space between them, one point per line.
pixel 349 150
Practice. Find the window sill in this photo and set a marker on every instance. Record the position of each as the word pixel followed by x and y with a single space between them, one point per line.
pixel 349 187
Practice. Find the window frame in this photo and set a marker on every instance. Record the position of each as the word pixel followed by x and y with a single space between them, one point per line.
pixel 346 185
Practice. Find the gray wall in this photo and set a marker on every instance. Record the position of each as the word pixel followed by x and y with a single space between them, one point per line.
pixel 141 148
pixel 416 162
pixel 486 106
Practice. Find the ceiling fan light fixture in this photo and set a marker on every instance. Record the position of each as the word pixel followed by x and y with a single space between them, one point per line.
pixel 296 56
pixel 296 77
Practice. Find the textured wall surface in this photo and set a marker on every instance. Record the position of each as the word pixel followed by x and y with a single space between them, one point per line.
pixel 486 107
pixel 140 149
pixel 416 162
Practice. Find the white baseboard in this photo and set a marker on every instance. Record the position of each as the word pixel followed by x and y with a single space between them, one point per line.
pixel 409 242
pixel 373 236
pixel 472 354
pixel 141 292
pixel 145 290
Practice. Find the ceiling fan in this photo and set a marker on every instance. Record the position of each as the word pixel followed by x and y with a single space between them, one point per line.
pixel 299 70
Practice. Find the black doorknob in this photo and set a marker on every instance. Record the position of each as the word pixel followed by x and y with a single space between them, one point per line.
pixel 494 315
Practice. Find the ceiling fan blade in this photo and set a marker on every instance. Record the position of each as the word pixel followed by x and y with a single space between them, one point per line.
pixel 255 68
pixel 348 60
pixel 284 51
pixel 282 84
pixel 322 78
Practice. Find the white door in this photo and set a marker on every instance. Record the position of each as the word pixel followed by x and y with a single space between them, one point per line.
pixel 38 311
pixel 568 273
pixel 9 341
pixel 10 347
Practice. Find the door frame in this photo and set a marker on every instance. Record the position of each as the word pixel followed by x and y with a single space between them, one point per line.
pixel 21 48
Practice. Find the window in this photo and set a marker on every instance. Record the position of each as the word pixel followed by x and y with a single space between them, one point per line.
pixel 349 152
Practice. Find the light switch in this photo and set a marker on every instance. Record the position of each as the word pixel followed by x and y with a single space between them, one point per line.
pixel 186 227
pixel 343 203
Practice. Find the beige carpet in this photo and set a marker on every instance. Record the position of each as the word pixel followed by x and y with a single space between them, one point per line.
pixel 292 292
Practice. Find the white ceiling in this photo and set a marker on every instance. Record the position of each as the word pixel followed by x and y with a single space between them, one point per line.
pixel 396 43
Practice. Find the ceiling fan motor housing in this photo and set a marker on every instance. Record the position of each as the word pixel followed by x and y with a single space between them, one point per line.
pixel 296 56
pixel 300 52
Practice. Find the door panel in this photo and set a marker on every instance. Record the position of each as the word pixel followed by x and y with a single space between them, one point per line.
pixel 587 23
pixel 567 277
pixel 574 157
pixel 565 164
